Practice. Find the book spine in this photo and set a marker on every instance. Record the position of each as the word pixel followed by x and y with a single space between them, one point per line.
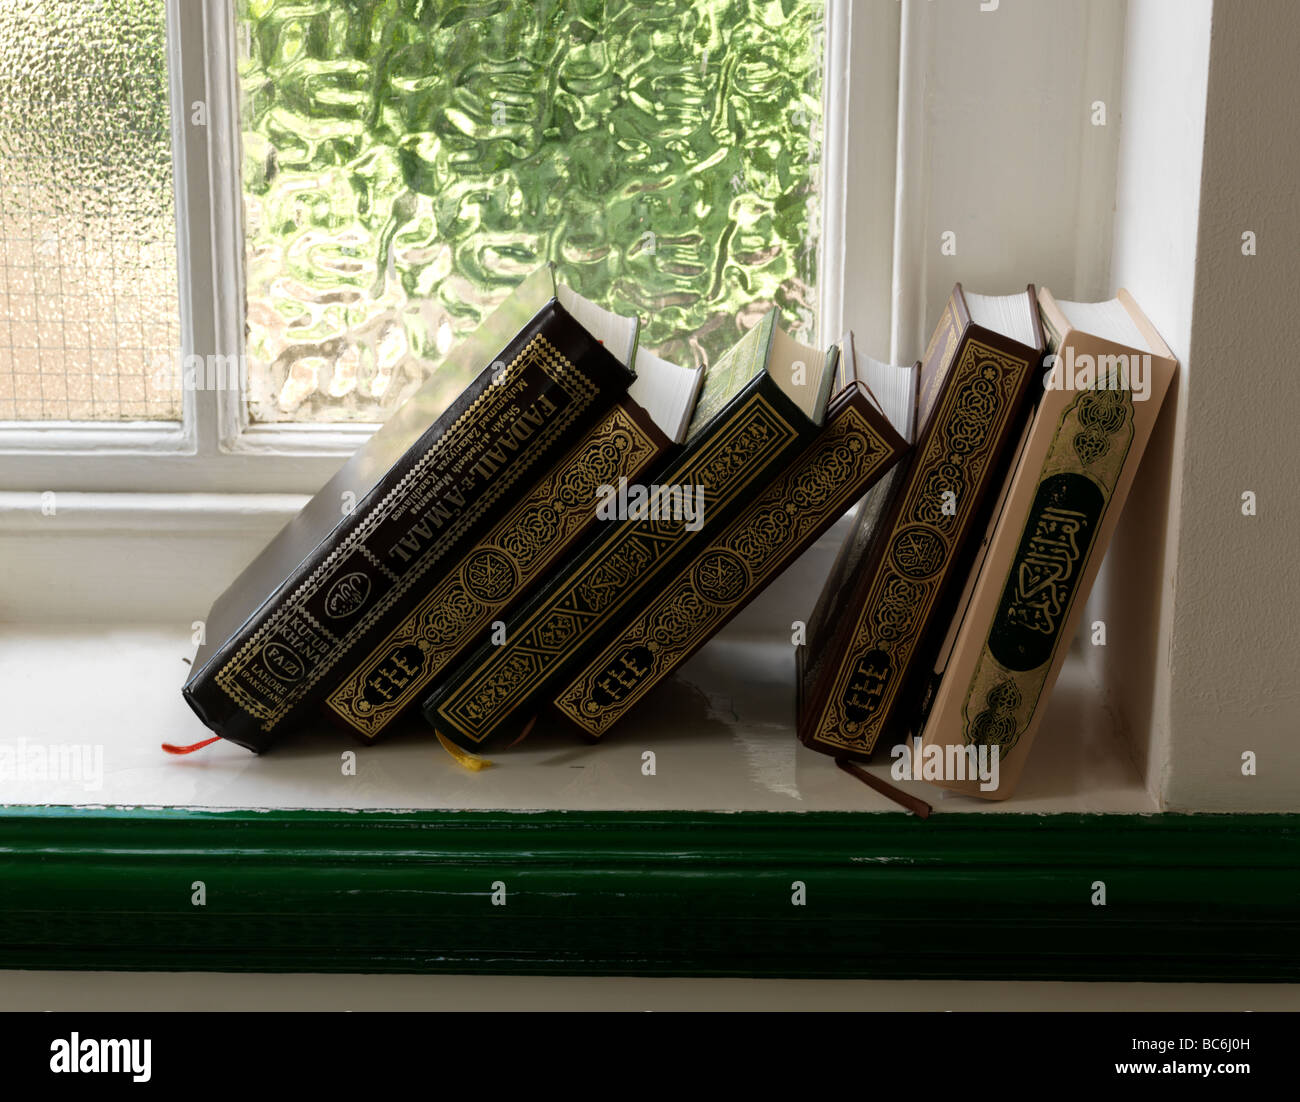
pixel 546 525
pixel 903 595
pixel 619 570
pixel 861 551
pixel 836 593
pixel 854 449
pixel 455 481
pixel 1063 506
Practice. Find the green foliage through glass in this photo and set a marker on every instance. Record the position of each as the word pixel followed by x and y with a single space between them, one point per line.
pixel 407 162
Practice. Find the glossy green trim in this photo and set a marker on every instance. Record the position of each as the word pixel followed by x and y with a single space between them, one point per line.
pixel 960 896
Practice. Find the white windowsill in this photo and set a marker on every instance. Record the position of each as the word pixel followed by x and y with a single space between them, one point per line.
pixel 99 602
pixel 720 731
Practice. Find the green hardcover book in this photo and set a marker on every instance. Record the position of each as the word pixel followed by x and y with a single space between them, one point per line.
pixel 869 425
pixel 760 404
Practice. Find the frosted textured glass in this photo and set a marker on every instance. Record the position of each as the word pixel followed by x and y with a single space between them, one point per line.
pixel 406 162
pixel 88 298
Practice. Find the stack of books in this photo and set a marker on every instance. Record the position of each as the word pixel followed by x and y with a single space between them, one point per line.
pixel 584 516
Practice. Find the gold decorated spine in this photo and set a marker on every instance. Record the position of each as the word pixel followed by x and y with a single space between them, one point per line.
pixel 974 397
pixel 518 550
pixel 283 660
pixel 617 575
pixel 851 452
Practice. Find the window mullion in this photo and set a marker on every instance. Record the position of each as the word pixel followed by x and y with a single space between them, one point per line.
pixel 226 222
pixel 860 103
pixel 185 49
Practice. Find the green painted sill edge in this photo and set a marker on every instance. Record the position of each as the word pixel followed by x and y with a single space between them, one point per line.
pixel 974 896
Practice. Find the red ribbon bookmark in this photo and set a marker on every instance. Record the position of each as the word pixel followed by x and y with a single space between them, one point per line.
pixel 169 748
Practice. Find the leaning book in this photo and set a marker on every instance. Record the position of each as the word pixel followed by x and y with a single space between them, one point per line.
pixel 893 591
pixel 869 426
pixel 761 403
pixel 639 433
pixel 503 406
pixel 1110 373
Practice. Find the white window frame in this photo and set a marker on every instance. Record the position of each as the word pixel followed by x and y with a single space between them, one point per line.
pixel 215 449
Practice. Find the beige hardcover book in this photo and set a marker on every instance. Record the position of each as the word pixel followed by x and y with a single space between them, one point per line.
pixel 1062 501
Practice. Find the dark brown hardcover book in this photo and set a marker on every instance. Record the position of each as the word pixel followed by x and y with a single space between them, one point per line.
pixel 426 485
pixel 639 433
pixel 857 445
pixel 866 521
pixel 891 596
pixel 761 403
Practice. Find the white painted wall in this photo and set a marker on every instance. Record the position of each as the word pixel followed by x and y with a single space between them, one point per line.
pixel 115 992
pixel 1157 202
pixel 997 144
pixel 1208 151
pixel 1234 640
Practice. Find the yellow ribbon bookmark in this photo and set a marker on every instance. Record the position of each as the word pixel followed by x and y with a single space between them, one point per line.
pixel 463 758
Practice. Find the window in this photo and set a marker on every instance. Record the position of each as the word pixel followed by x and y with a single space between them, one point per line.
pixel 88 294
pixel 352 186
pixel 405 163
